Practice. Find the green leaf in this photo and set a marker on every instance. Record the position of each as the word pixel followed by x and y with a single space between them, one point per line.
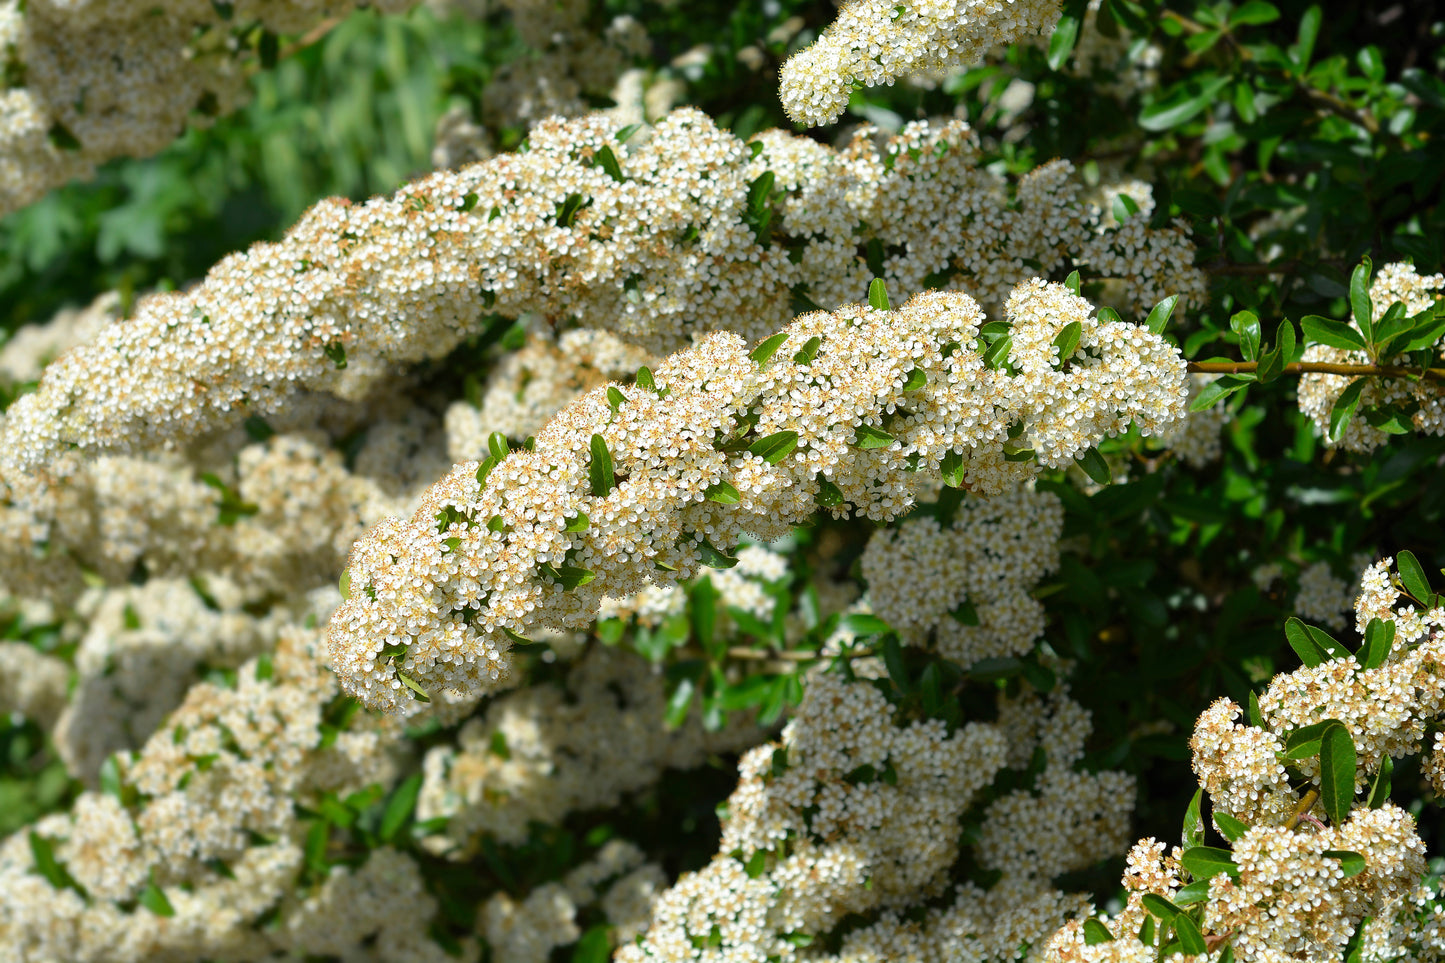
pixel 1310 652
pixel 764 351
pixel 1095 932
pixel 1344 408
pixel 1094 466
pixel 878 295
pixel 576 523
pixel 1337 773
pixel 345 585
pixel 997 353
pixel 893 661
pixel 1159 315
pixel 862 624
pixel 1219 389
pixel 722 493
pixel 1066 34
pixel 713 557
pixel 868 437
pixel 1230 827
pixel 1161 907
pixel 775 447
pixel 567 576
pixel 625 134
pixel 1336 334
pixel 1256 718
pixel 318 835
pixel 1351 862
pixel 1072 282
pixel 1412 577
pixel 1254 12
pixel 399 807
pixel 1379 637
pixel 679 703
pixel 1380 788
pixel 1191 941
pixel 915 379
pixel 469 201
pixel 702 609
pixel 1182 105
pixel 1207 862
pixel 952 469
pixel 595 946
pixel 42 850
pixel 607 160
pixel 1360 304
pixel 1125 207
pixel 645 380
pixel 1422 335
pixel 1193 833
pixel 809 351
pixel 599 470
pixel 1195 892
pixel 417 691
pixel 964 613
pixel 1305 741
pixel 1246 325
pixel 154 899
pixel 615 398
pixel 1067 340
pixel 1309 29
pixel 336 351
pixel 829 495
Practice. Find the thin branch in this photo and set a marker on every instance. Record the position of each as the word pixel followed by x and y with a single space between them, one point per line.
pixel 1322 367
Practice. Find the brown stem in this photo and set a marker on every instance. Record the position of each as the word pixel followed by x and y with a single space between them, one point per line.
pixel 1303 807
pixel 1322 367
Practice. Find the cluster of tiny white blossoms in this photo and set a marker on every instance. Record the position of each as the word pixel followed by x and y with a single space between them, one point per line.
pixel 1292 898
pixel 205 817
pixel 644 483
pixel 1323 597
pixel 684 233
pixel 1422 401
pixel 617 880
pixel 526 388
pixel 878 41
pixel 93 80
pixel 922 574
pixel 544 752
pixel 840 817
pixel 741 587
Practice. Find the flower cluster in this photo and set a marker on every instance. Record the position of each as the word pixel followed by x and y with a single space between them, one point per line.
pixel 1419 403
pixel 964 588
pixel 86 82
pixel 877 41
pixel 1293 886
pixel 632 485
pixel 841 815
pixel 687 232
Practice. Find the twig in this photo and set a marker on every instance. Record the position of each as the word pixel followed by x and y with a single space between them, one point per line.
pixel 1322 367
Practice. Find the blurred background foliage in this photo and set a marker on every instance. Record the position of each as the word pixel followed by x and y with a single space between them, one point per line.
pixel 1293 138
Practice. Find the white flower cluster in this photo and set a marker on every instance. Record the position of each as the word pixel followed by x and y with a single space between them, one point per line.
pixel 964 589
pixel 618 880
pixel 90 81
pixel 202 830
pixel 1422 403
pixel 683 234
pixel 528 387
pixel 640 484
pixel 32 683
pixel 841 816
pixel 1292 898
pixel 546 751
pixel 878 41
pixel 1323 597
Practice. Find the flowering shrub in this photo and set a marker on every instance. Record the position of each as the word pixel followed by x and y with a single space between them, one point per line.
pixel 646 531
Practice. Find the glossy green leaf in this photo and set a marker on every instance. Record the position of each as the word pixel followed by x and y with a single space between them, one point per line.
pixel 1159 314
pixel 1160 907
pixel 1344 408
pixel 1379 638
pixel 866 437
pixel 1094 466
pixel 1413 578
pixel 1246 325
pixel 1230 827
pixel 1380 787
pixel 399 807
pixel 1351 862
pixel 1219 389
pixel 1066 34
pixel 1207 862
pixel 878 295
pixel 599 470
pixel 1193 833
pixel 714 557
pixel 1336 334
pixel 769 347
pixel 1067 340
pixel 1182 105
pixel 722 493
pixel 1337 773
pixel 1191 940
pixel 809 351
pixel 1095 932
pixel 1360 304
pixel 775 447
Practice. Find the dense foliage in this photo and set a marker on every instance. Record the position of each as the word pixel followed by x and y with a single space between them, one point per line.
pixel 995 592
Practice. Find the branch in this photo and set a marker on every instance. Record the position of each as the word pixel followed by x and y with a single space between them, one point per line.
pixel 1322 367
